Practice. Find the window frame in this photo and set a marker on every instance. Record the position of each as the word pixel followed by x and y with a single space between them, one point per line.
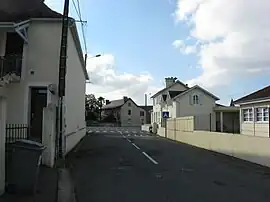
pixel 141 113
pixel 129 112
pixel 129 104
pixel 249 111
pixel 195 101
pixel 263 111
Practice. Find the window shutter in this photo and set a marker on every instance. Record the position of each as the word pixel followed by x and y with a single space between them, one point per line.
pixel 201 99
pixel 190 99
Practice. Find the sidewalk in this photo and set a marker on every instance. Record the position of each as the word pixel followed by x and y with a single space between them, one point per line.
pixel 46 191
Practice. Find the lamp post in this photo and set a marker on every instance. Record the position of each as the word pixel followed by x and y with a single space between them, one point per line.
pixel 95 56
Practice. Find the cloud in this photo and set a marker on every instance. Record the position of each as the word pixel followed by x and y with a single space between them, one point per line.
pixel 107 81
pixel 233 38
pixel 56 5
pixel 185 49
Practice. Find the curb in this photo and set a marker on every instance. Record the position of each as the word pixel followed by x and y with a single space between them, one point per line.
pixel 65 191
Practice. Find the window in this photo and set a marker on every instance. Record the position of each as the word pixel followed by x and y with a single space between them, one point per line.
pixel 195 99
pixel 247 114
pixel 262 114
pixel 141 113
pixel 129 104
pixel 129 112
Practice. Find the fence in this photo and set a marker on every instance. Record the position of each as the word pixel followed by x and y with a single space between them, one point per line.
pixel 16 131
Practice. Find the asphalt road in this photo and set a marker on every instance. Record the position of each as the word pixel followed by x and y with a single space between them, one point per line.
pixel 112 167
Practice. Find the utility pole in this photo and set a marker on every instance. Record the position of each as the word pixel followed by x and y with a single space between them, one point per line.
pixel 62 77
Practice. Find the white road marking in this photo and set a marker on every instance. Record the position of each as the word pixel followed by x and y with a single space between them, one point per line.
pixel 150 158
pixel 97 131
pixel 135 146
pixel 105 131
pixel 112 131
pixel 126 131
pixel 135 135
pixel 128 140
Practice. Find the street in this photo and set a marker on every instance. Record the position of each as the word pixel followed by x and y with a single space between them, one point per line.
pixel 133 166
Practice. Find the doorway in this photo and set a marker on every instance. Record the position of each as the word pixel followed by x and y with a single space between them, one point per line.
pixel 38 102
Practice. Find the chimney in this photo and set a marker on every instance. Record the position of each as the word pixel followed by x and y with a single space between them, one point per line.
pixel 125 98
pixel 145 99
pixel 170 81
pixel 107 102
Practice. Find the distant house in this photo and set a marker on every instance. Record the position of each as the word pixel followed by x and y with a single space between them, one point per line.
pixel 179 100
pixel 125 112
pixel 146 114
pixel 254 113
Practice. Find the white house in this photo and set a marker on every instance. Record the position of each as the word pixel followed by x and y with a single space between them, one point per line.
pixel 179 100
pixel 29 61
pixel 126 112
pixel 254 113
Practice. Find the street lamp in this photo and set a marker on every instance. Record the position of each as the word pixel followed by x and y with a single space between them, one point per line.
pixel 95 56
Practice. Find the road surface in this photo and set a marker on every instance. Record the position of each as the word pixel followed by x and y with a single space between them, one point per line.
pixel 134 166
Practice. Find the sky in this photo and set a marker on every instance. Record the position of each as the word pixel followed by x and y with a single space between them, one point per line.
pixel 221 45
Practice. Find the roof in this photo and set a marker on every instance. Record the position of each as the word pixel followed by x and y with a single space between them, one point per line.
pixel 18 10
pixel 117 103
pixel 164 89
pixel 175 93
pixel 255 96
pixel 146 108
pixel 196 86
pixel 114 104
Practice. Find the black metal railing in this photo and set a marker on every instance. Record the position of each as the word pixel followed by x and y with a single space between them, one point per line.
pixel 10 64
pixel 16 132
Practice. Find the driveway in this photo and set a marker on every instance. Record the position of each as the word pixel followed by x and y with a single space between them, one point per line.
pixel 136 167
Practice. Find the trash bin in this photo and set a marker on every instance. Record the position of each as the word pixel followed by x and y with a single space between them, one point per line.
pixel 26 159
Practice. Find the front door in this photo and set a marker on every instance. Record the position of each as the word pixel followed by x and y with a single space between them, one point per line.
pixel 38 102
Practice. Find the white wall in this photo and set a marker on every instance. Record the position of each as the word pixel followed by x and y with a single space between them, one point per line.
pixel 3 37
pixel 130 120
pixel 2 143
pixel 254 128
pixel 75 97
pixel 201 111
pixel 41 55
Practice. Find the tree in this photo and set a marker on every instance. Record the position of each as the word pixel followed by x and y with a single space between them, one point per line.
pixel 91 107
pixel 100 103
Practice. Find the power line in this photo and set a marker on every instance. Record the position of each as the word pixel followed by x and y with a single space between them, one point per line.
pixel 78 11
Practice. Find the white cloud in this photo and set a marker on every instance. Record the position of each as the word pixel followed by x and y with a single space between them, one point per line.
pixel 234 38
pixel 108 82
pixel 185 49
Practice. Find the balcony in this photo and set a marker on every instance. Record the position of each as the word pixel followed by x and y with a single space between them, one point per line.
pixel 10 69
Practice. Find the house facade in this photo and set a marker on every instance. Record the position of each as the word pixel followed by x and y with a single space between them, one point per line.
pixel 29 54
pixel 254 113
pixel 179 100
pixel 125 111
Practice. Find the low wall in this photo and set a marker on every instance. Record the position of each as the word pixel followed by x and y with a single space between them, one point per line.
pixel 161 131
pixel 145 127
pixel 72 139
pixel 249 148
